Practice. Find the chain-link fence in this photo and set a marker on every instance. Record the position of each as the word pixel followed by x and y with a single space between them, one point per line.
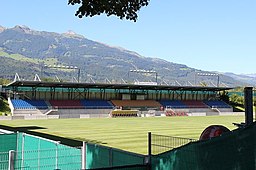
pixel 4 160
pixel 161 143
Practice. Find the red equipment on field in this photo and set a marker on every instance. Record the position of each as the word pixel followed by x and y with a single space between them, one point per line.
pixel 213 131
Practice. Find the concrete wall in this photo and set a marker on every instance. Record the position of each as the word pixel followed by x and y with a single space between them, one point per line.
pixel 197 114
pixel 232 113
pixel 225 109
pixel 83 111
pixel 28 112
pixel 28 117
pixel 11 105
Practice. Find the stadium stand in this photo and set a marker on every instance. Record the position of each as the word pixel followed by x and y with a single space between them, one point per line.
pixel 129 104
pixel 29 104
pixel 172 104
pixel 69 99
pixel 66 104
pixel 194 104
pixel 216 104
pixel 97 104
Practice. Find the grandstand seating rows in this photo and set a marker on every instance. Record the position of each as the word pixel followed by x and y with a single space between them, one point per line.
pixel 176 104
pixel 29 104
pixel 65 104
pixel 104 104
pixel 216 103
pixel 195 104
pixel 137 103
pixel 101 104
pixel 173 103
pixel 61 104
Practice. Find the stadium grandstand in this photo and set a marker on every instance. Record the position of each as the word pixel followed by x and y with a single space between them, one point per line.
pixel 85 100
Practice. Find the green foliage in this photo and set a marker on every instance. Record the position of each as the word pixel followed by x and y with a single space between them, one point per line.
pixel 239 109
pixel 48 79
pixel 238 89
pixel 234 98
pixel 122 8
pixel 224 96
pixel 4 107
pixel 237 99
pixel 19 57
pixel 203 84
pixel 237 102
pixel 4 81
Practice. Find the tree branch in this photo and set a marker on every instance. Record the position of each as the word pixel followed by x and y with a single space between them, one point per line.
pixel 122 8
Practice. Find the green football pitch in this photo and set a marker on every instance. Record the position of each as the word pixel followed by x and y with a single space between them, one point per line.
pixel 126 133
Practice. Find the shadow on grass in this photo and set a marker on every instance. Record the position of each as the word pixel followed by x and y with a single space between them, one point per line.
pixel 90 141
pixel 27 128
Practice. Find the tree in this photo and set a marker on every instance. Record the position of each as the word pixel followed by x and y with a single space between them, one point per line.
pixel 122 8
pixel 224 96
pixel 203 84
pixel 4 81
pixel 234 98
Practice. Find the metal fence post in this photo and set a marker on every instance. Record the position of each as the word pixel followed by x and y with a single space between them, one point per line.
pixel 248 102
pixel 84 156
pixel 149 150
pixel 11 160
pixel 38 154
pixel 56 157
pixel 110 157
pixel 22 150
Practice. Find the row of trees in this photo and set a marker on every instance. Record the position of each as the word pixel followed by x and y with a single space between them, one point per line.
pixel 235 99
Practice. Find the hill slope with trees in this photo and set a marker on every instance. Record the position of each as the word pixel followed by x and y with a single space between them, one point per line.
pixel 26 51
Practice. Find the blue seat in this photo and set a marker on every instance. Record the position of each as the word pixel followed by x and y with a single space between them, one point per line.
pixel 29 104
pixel 172 103
pixel 217 103
pixel 97 104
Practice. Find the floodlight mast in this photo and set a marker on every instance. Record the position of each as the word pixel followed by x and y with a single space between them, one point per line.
pixel 207 74
pixel 144 71
pixel 65 67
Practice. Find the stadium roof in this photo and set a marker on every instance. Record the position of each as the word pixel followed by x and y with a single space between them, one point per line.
pixel 113 86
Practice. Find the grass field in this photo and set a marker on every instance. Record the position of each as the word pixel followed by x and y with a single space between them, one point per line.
pixel 126 133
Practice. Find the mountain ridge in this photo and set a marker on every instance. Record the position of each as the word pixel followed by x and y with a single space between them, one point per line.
pixel 30 50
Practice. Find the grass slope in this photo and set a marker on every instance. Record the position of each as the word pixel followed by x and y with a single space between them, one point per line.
pixel 19 57
pixel 126 133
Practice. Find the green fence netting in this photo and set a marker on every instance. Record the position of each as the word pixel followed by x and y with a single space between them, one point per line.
pixel 98 156
pixel 39 153
pixel 32 152
pixel 7 142
pixel 4 160
pixel 231 151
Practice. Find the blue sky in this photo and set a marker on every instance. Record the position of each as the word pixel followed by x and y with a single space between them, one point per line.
pixel 212 35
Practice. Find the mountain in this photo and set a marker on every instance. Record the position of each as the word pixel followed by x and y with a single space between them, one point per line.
pixel 27 52
pixel 249 79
